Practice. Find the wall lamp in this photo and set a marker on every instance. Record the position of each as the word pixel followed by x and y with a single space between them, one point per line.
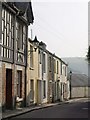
pixel 35 43
pixel 58 80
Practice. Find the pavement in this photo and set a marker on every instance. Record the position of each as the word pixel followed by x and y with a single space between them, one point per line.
pixel 13 113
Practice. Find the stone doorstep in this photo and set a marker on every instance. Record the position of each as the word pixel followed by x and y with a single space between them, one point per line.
pixel 77 100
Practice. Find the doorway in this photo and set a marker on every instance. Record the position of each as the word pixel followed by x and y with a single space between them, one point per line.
pixel 31 91
pixel 8 88
pixel 39 92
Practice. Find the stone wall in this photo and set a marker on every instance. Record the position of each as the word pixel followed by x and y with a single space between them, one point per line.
pixel 80 92
pixel 14 83
pixel 0 89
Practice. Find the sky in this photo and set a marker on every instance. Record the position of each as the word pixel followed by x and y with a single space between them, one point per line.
pixel 62 25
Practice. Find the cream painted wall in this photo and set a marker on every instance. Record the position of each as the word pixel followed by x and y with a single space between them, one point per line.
pixel 32 74
pixel 44 77
pixel 80 92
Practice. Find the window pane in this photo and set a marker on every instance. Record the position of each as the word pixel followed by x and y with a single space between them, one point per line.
pixel 11 54
pixel 7 41
pixel 8 16
pixel 16 24
pixel 10 40
pixel 2 26
pixel 9 51
pixel 20 57
pixel 3 13
pixel 7 28
pixel 5 37
pixel 1 51
pixel 24 38
pixel 2 38
pixel 7 54
pixel 12 32
pixel 4 52
pixel 5 17
pixel 10 22
pixel 24 29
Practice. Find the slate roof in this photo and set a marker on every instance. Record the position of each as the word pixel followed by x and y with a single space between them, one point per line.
pixel 79 80
pixel 21 8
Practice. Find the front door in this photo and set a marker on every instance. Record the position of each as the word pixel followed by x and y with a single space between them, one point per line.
pixel 39 92
pixel 58 91
pixel 31 91
pixel 8 88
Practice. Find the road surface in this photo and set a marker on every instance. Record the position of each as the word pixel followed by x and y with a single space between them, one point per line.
pixel 79 109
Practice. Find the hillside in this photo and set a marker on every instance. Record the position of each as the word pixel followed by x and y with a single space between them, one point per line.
pixel 77 65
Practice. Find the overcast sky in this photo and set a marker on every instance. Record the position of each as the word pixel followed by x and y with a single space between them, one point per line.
pixel 62 25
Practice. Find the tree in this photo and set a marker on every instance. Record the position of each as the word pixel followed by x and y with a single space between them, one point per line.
pixel 88 54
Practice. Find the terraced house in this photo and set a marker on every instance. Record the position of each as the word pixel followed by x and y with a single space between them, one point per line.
pixel 58 85
pixel 36 72
pixel 46 75
pixel 32 71
pixel 57 76
pixel 50 78
pixel 14 20
pixel 65 90
pixel 42 81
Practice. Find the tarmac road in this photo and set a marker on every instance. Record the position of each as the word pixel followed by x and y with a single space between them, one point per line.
pixel 78 109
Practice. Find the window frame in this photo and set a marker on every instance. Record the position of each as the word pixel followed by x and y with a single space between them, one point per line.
pixel 7 45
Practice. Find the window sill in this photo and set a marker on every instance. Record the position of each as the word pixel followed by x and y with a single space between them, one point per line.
pixel 31 68
pixel 19 99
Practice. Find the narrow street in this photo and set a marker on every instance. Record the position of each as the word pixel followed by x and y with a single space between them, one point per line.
pixel 77 109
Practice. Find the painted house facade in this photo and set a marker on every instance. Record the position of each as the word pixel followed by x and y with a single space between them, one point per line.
pixel 65 92
pixel 58 84
pixel 31 74
pixel 46 75
pixel 36 72
pixel 13 43
pixel 42 72
pixel 57 76
pixel 50 75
